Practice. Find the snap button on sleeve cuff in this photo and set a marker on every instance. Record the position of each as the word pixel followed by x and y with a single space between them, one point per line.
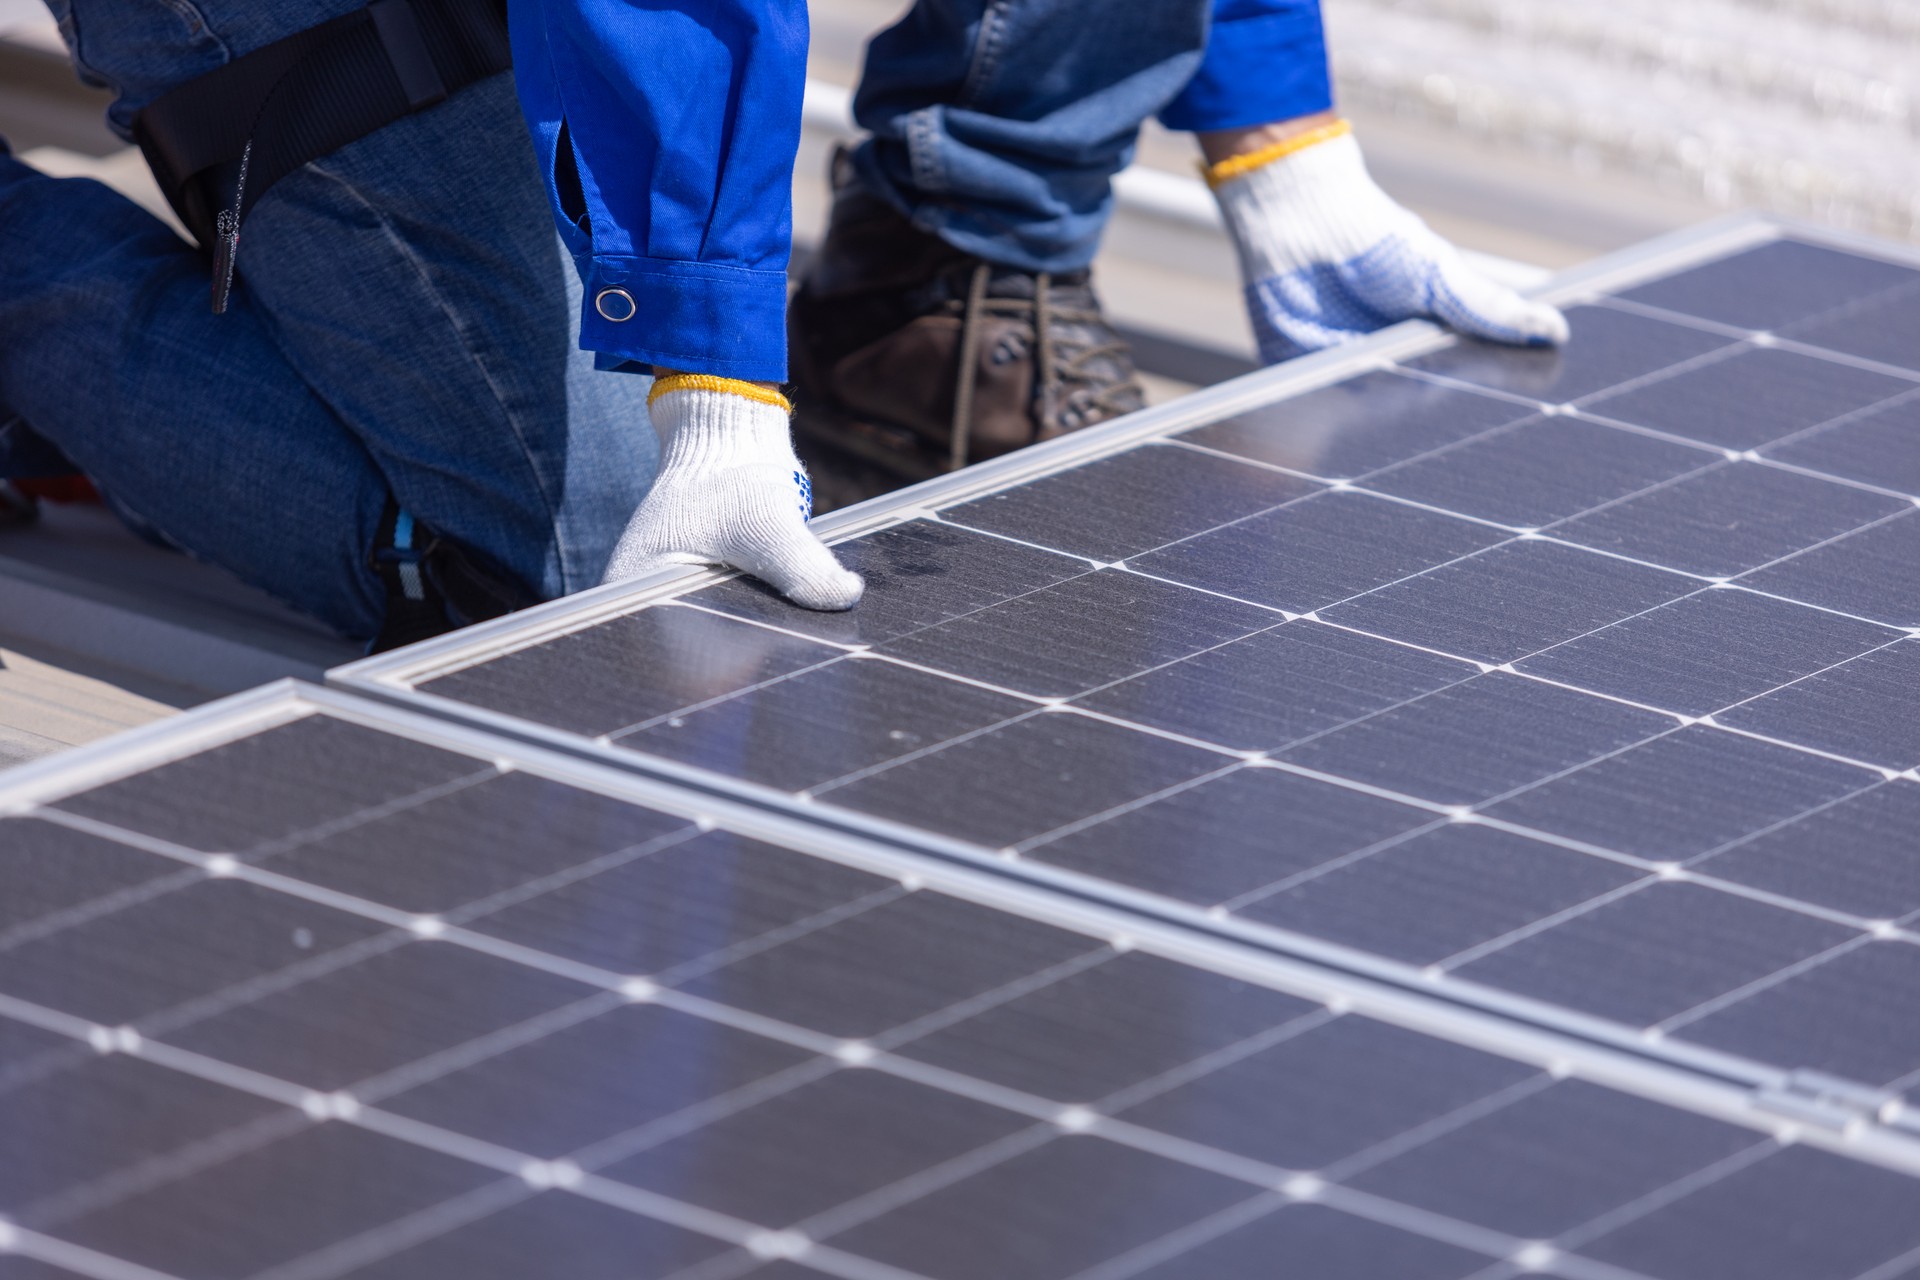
pixel 616 305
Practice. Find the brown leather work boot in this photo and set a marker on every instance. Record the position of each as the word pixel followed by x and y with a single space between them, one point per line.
pixel 911 357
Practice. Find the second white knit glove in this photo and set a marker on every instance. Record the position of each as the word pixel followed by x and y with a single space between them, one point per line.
pixel 1327 256
pixel 731 492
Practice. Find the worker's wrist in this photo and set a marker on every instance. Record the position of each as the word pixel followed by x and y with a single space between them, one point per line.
pixel 1232 153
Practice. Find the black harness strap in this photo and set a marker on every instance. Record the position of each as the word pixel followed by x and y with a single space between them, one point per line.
pixel 217 143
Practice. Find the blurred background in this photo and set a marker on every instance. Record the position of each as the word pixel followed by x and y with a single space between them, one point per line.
pixel 1538 132
pixel 1534 133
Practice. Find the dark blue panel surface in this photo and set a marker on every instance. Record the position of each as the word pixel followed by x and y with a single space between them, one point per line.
pixel 1852 1016
pixel 1562 1157
pixel 1607 348
pixel 1231 836
pixel 1732 518
pixel 1867 708
pixel 1884 327
pixel 1857 856
pixel 1773 285
pixel 1318 551
pixel 824 723
pixel 1799 1214
pixel 1479 739
pixel 1682 794
pixel 1872 573
pixel 1440 893
pixel 1278 687
pixel 1087 631
pixel 1749 398
pixel 1131 502
pixel 1541 471
pixel 1657 953
pixel 1511 600
pixel 1880 447
pixel 1358 425
pixel 1709 650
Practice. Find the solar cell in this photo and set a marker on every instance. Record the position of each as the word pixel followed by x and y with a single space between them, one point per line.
pixel 1401 663
pixel 844 1061
pixel 1421 677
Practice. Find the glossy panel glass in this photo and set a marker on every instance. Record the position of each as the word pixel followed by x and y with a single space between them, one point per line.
pixel 1324 1243
pixel 1683 794
pixel 917 574
pixel 272 785
pixel 1800 1213
pixel 1318 551
pixel 1357 425
pixel 846 979
pixel 1511 600
pixel 1091 630
pixel 1131 502
pixel 1773 285
pixel 1884 327
pixel 550 1234
pixel 1857 856
pixel 677 905
pixel 345 1026
pixel 1750 398
pixel 1056 1211
pixel 1023 780
pixel 74 1127
pixel 1708 650
pixel 1439 893
pixel 825 723
pixel 1107 1028
pixel 1881 447
pixel 1231 835
pixel 1329 1094
pixel 1478 739
pixel 1851 1016
pixel 1725 521
pixel 1277 687
pixel 1657 953
pixel 630 670
pixel 421 858
pixel 47 868
pixel 1538 472
pixel 1552 1161
pixel 276 1203
pixel 1607 348
pixel 802 1153
pixel 133 963
pixel 597 1083
pixel 1871 573
pixel 1867 709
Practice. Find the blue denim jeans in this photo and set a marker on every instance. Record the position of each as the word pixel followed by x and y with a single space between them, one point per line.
pixel 999 124
pixel 405 327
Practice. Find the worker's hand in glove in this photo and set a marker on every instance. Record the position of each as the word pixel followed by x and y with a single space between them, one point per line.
pixel 730 492
pixel 1327 256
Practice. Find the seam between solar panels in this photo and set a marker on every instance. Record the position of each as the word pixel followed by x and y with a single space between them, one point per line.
pixel 552 968
pixel 1040 1109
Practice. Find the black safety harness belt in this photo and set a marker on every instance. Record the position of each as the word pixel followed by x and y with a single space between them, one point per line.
pixel 218 142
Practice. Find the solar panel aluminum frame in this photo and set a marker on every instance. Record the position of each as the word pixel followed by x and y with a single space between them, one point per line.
pixel 402 669
pixel 393 677
pixel 1749 1095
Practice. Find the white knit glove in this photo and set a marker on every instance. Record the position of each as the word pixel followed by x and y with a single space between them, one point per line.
pixel 730 492
pixel 1327 256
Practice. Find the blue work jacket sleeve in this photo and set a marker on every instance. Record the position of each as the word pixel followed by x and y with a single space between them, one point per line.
pixel 1266 61
pixel 667 132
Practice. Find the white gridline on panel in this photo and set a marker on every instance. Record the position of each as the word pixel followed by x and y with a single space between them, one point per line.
pixel 346 1105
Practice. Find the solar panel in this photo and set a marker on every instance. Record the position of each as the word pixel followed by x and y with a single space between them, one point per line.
pixel 317 989
pixel 1582 685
